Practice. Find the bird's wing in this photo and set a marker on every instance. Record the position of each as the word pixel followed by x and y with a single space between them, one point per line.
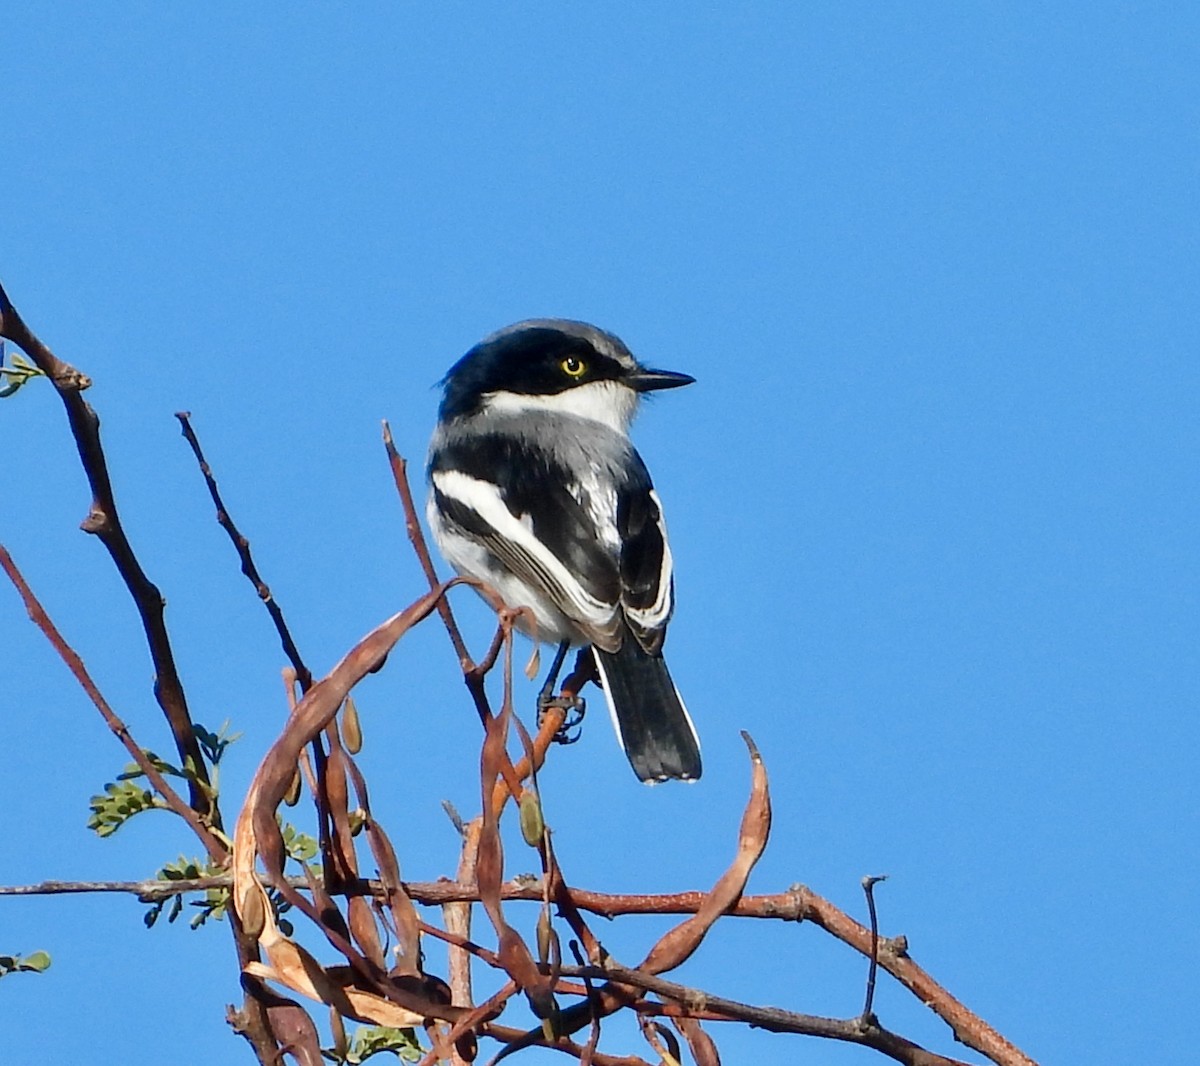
pixel 647 585
pixel 540 525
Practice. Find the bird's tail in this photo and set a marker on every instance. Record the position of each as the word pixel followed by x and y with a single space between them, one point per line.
pixel 653 726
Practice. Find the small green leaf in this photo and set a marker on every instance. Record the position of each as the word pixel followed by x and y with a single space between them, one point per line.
pixel 214 745
pixel 375 1040
pixel 38 962
pixel 119 802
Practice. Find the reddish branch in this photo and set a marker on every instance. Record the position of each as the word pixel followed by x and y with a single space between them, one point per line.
pixel 104 521
pixel 688 1002
pixel 37 613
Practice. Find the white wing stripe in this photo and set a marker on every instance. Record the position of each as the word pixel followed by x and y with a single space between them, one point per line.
pixel 485 500
pixel 659 612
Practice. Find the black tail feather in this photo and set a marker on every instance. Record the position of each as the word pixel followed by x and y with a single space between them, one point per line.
pixel 652 724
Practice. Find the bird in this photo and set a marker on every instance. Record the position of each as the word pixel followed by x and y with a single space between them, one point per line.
pixel 537 490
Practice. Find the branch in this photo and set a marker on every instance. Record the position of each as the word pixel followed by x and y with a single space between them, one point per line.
pixel 412 525
pixel 104 521
pixel 698 1004
pixel 242 546
pixel 213 844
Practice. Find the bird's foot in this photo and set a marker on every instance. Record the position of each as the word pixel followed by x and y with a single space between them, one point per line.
pixel 573 708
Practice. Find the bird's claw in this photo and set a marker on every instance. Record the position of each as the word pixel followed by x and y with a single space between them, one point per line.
pixel 573 708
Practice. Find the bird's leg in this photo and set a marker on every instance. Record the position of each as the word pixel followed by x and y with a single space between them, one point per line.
pixel 573 706
pixel 555 667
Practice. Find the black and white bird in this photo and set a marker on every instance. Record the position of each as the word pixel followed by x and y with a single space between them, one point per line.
pixel 536 489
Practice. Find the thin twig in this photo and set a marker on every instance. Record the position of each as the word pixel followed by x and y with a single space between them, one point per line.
pixel 510 1036
pixel 242 546
pixel 868 884
pixel 412 524
pixel 594 1037
pixel 214 845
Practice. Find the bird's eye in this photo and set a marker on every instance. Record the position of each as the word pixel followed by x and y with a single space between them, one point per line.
pixel 573 366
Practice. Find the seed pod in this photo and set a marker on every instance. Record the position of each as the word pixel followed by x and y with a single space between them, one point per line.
pixel 533 826
pixel 253 914
pixel 340 1044
pixel 292 796
pixel 351 727
pixel 547 939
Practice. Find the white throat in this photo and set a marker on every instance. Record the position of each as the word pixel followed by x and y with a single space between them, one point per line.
pixel 606 402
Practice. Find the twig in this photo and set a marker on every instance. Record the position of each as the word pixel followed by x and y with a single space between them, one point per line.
pixel 457 917
pixel 699 1004
pixel 594 1038
pixel 868 884
pixel 216 848
pixel 104 521
pixel 412 524
pixel 242 546
pixel 510 1036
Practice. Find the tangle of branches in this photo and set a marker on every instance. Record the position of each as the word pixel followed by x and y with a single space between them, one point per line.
pixel 354 944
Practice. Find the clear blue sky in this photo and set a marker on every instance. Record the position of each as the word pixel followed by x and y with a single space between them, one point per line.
pixel 932 499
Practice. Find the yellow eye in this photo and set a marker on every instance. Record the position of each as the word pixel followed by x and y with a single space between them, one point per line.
pixel 573 366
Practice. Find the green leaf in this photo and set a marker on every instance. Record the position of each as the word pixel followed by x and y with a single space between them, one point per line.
pixel 214 744
pixel 119 802
pixel 376 1040
pixel 38 962
pixel 213 904
pixel 21 372
pixel 133 771
pixel 300 846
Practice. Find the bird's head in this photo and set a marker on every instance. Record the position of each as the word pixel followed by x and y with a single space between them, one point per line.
pixel 552 365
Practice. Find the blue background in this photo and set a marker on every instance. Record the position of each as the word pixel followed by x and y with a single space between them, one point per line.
pixel 932 499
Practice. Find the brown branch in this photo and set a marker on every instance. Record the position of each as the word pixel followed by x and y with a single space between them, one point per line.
pixel 698 1004
pixel 457 918
pixel 104 521
pixel 797 904
pixel 512 1037
pixel 242 546
pixel 412 525
pixel 252 1020
pixel 213 844
pixel 473 673
pixel 968 1027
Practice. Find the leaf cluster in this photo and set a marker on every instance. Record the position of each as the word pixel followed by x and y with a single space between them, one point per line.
pixel 371 1040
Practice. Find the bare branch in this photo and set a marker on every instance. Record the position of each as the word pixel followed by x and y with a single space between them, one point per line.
pixel 242 546
pixel 104 521
pixel 698 1004
pixel 216 848
pixel 412 524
